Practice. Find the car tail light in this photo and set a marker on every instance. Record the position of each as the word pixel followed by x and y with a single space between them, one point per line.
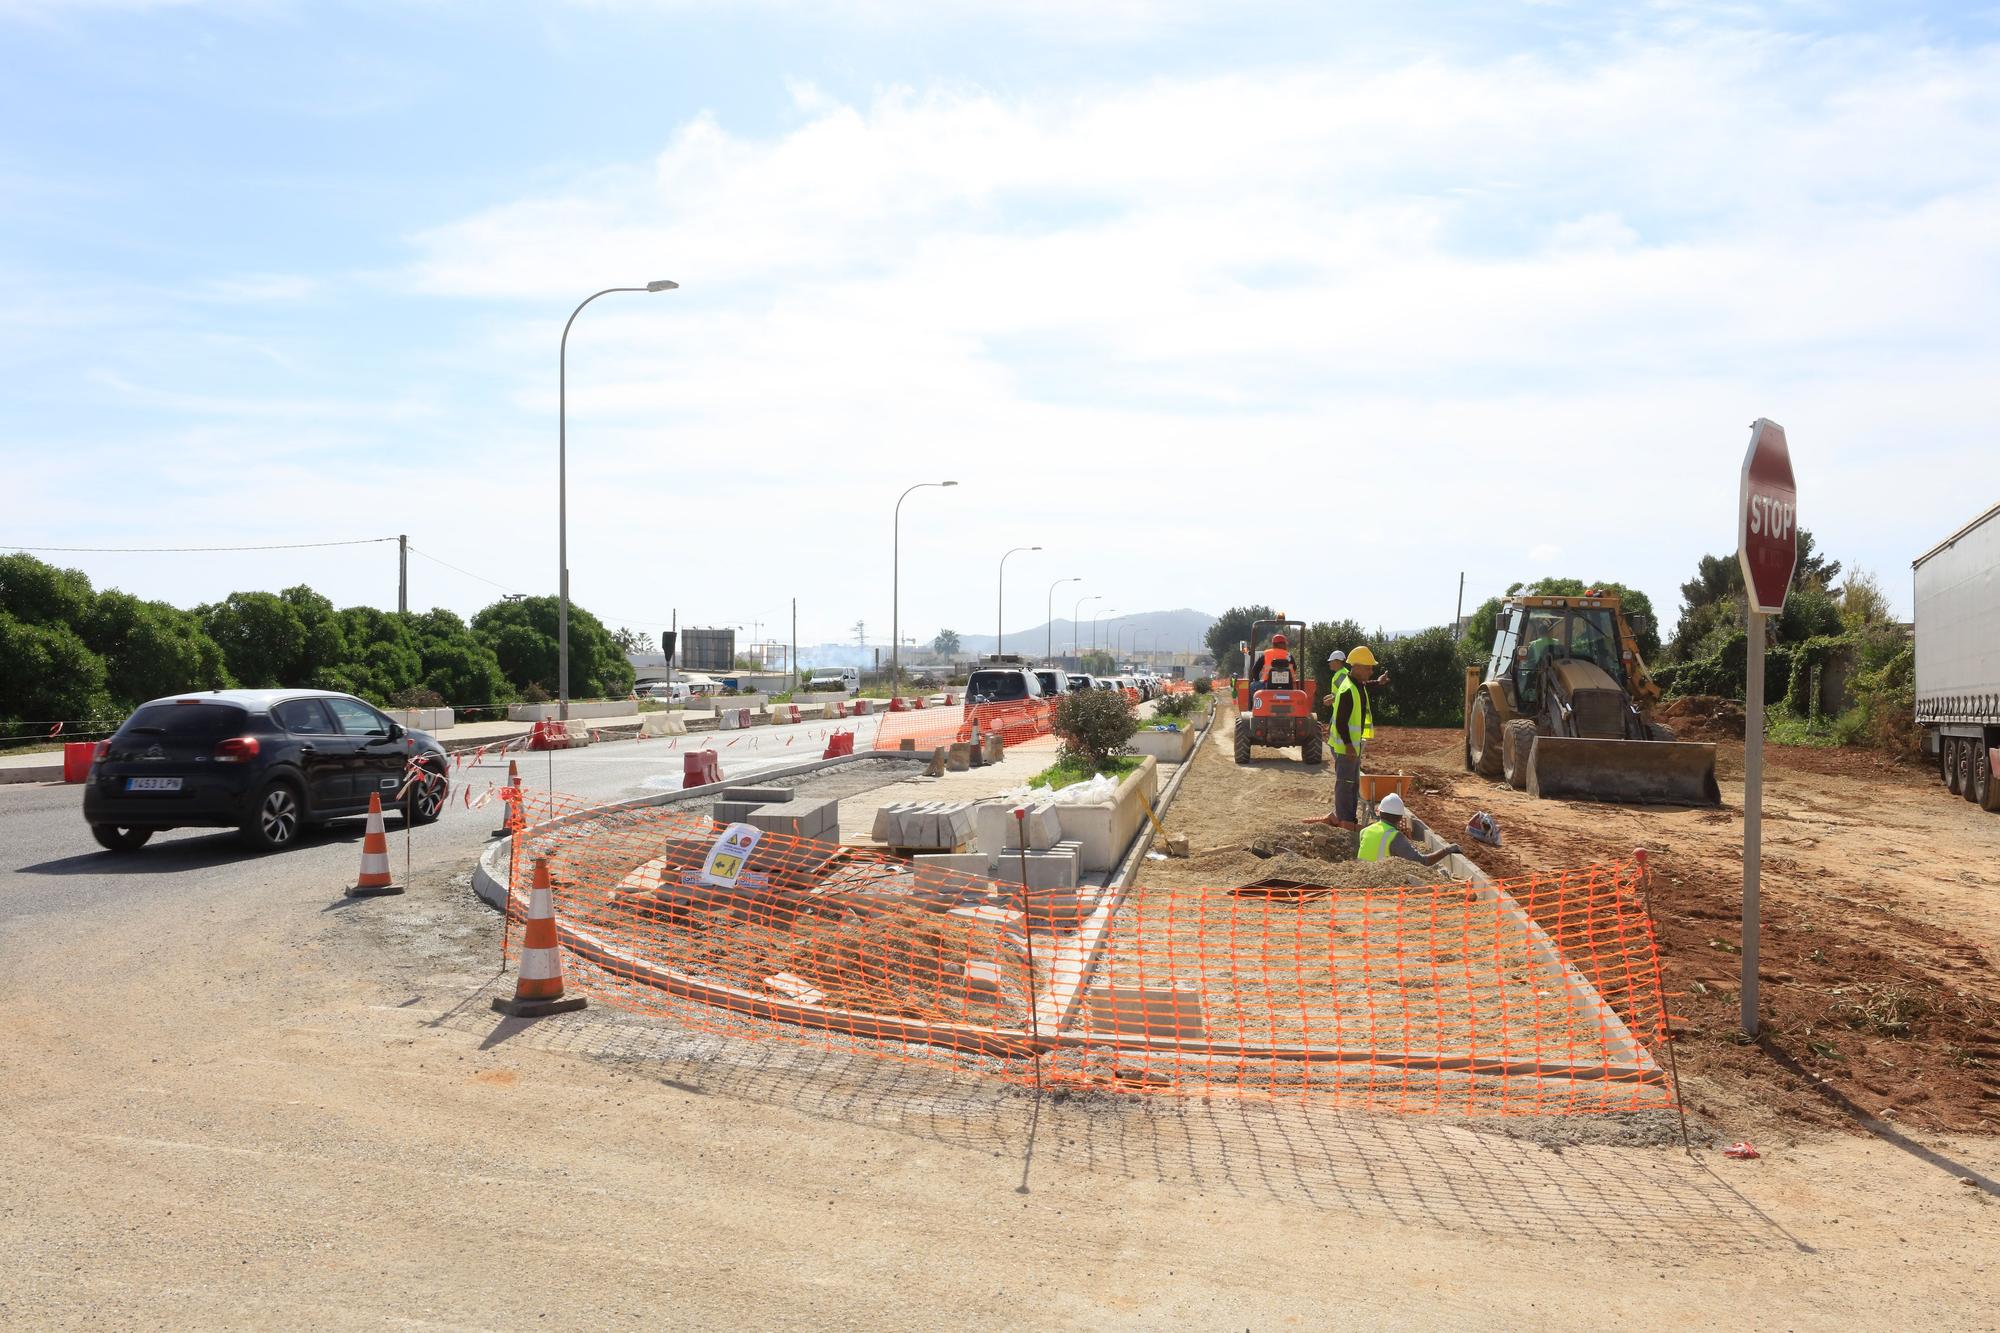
pixel 103 749
pixel 237 750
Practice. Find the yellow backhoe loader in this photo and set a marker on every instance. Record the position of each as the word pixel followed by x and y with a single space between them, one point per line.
pixel 1560 708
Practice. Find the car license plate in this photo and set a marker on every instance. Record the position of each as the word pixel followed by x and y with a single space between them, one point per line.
pixel 152 784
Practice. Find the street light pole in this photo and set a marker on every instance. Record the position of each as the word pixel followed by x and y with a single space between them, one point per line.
pixel 1109 610
pixel 1050 649
pixel 562 489
pixel 896 586
pixel 1000 615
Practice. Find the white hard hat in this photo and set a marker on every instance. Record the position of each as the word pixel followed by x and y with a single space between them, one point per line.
pixel 1337 655
pixel 1392 804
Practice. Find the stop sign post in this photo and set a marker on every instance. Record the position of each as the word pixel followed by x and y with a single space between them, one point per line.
pixel 1767 544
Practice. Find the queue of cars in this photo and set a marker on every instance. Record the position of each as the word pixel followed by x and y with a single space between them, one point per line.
pixel 1009 683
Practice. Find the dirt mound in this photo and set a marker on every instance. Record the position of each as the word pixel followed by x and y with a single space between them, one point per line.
pixel 1293 869
pixel 1316 841
pixel 1702 717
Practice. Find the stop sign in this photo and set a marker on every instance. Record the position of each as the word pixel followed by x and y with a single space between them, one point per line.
pixel 1767 526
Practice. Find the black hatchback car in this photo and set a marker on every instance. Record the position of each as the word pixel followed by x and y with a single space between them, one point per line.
pixel 268 762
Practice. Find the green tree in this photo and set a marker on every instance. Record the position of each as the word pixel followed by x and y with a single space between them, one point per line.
pixel 37 593
pixel 325 646
pixel 261 636
pixel 1230 629
pixel 152 649
pixel 522 635
pixel 1426 683
pixel 457 666
pixel 48 675
pixel 946 643
pixel 382 658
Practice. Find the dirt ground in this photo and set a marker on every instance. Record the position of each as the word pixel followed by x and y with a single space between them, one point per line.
pixel 272 1106
pixel 1881 917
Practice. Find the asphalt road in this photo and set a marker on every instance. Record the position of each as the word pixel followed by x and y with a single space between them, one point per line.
pixel 52 865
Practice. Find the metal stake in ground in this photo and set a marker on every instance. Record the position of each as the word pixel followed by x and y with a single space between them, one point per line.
pixel 1034 1022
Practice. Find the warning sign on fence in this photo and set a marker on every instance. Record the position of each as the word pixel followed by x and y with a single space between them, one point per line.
pixel 729 855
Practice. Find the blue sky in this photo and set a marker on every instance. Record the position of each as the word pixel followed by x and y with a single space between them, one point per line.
pixel 1164 284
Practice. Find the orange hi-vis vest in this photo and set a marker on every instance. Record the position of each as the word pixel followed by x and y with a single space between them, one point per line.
pixel 1275 664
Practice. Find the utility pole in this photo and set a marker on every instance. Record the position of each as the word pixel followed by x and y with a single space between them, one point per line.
pixel 795 644
pixel 402 575
pixel 1459 614
pixel 677 647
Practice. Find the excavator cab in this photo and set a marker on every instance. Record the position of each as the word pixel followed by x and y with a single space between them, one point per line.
pixel 1277 711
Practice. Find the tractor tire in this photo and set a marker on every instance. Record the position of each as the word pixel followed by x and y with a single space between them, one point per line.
pixel 1516 747
pixel 1954 765
pixel 1483 741
pixel 1242 740
pixel 1310 750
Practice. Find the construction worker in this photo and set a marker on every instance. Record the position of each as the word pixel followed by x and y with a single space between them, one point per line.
pixel 1351 724
pixel 1274 666
pixel 1385 837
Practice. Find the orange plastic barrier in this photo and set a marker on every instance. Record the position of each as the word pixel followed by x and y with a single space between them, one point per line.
pixel 1536 996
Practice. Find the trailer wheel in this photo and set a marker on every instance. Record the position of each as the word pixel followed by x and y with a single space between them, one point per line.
pixel 1989 795
pixel 1955 765
pixel 1979 776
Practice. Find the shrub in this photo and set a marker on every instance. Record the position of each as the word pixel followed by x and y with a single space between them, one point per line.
pixel 1095 726
pixel 1173 706
pixel 417 697
pixel 1202 685
pixel 534 693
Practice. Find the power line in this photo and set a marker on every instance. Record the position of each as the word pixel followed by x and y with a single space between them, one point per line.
pixel 178 550
pixel 468 573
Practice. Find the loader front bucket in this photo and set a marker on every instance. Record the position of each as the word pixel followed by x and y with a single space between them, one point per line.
pixel 1627 772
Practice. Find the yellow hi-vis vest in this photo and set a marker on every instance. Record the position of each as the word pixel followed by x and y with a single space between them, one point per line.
pixel 1364 723
pixel 1376 840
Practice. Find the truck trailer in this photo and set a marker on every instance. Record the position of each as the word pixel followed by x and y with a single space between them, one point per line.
pixel 1958 657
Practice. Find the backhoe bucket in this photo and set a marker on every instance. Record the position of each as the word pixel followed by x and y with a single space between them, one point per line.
pixel 1626 772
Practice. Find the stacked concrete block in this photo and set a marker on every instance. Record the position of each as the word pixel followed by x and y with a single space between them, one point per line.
pixel 808 818
pixel 999 830
pixel 737 804
pixel 940 824
pixel 1051 868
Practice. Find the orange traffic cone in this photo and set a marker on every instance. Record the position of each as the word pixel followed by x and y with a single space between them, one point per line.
pixel 539 988
pixel 375 880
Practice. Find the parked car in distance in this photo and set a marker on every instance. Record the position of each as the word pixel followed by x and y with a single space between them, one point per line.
pixel 835 678
pixel 1081 681
pixel 662 689
pixel 1001 685
pixel 1054 682
pixel 268 762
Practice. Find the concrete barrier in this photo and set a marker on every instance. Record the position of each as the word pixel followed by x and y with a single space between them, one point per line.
pixel 424 719
pixel 1106 829
pixel 663 724
pixel 1169 747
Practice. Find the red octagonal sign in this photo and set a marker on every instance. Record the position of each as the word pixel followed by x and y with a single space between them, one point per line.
pixel 1767 528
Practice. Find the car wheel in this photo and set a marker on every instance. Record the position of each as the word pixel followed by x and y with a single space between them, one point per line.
pixel 276 819
pixel 426 798
pixel 118 838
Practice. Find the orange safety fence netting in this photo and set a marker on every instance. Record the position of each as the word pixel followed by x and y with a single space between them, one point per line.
pixel 1013 722
pixel 1532 996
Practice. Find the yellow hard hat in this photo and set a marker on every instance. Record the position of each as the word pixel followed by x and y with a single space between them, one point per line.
pixel 1361 656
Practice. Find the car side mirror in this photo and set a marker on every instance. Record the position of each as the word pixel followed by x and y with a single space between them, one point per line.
pixel 395 731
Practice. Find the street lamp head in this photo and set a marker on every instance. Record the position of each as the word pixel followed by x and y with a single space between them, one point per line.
pixel 661 285
pixel 947 483
pixel 1034 548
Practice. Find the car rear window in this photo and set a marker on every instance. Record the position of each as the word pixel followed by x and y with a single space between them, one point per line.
pixel 186 722
pixel 997 686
